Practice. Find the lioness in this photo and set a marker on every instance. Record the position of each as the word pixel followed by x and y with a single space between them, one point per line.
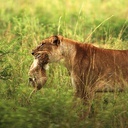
pixel 37 70
pixel 91 68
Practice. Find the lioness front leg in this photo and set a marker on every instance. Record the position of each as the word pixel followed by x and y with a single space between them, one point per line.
pixel 86 94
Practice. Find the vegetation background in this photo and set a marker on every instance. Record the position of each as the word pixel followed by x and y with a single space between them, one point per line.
pixel 23 24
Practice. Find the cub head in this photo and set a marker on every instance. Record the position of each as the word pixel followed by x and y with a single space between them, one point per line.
pixel 52 46
pixel 37 72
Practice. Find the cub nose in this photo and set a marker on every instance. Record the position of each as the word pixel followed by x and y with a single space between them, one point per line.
pixel 30 79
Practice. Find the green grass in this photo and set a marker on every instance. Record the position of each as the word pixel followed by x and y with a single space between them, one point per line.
pixel 23 24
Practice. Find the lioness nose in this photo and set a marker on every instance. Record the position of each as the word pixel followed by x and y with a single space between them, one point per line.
pixel 32 53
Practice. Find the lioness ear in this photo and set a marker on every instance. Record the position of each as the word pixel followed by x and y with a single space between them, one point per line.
pixel 56 40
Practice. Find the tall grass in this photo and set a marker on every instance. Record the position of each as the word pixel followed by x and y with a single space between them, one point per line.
pixel 23 24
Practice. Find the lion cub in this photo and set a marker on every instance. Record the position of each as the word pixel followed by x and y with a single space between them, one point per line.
pixel 37 70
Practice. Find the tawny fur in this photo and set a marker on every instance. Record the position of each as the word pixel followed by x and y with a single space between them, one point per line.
pixel 92 69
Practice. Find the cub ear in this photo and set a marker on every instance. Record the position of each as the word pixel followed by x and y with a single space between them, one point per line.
pixel 56 40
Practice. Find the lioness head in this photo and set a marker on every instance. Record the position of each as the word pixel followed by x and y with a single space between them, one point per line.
pixel 52 46
pixel 37 72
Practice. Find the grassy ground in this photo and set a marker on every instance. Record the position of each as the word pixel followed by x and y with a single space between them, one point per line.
pixel 23 24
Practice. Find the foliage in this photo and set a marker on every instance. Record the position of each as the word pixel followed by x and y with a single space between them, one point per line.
pixel 23 24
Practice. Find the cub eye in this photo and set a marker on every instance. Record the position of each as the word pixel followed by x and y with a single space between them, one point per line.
pixel 42 43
